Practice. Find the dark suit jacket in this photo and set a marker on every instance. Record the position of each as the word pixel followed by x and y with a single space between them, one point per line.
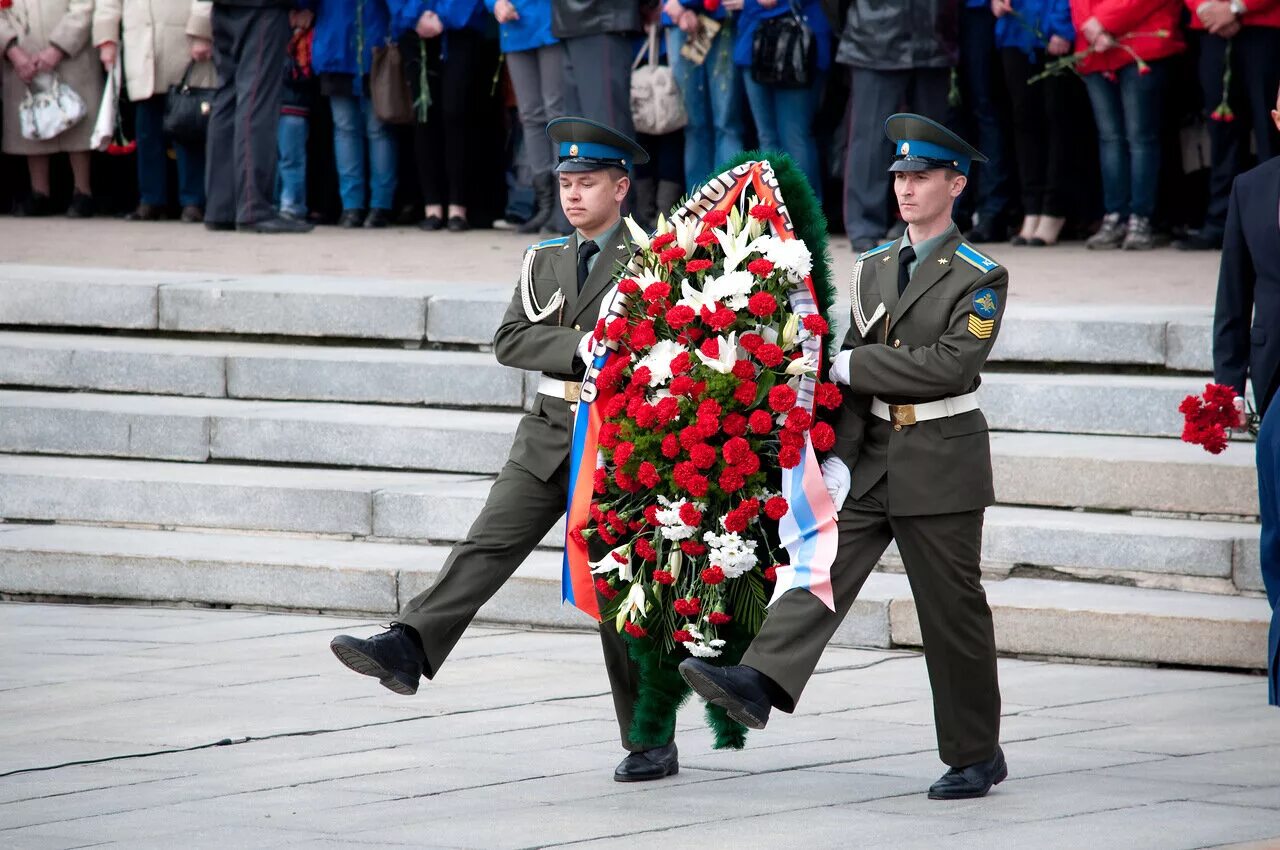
pixel 1246 322
pixel 921 347
pixel 551 346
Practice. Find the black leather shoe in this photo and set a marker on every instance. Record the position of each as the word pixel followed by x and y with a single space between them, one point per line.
pixel 378 219
pixel 1200 241
pixel 458 224
pixel 966 783
pixel 392 657
pixel 742 691
pixel 146 212
pixel 219 225
pixel 648 765
pixel 191 214
pixel 81 206
pixel 432 223
pixel 351 218
pixel 276 225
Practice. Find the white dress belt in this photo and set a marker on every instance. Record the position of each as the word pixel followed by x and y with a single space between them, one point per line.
pixel 563 390
pixel 908 414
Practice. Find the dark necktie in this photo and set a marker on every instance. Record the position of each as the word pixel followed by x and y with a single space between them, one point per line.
pixel 586 250
pixel 905 256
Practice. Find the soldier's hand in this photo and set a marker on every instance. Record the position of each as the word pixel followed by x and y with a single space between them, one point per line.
pixel 835 475
pixel 584 347
pixel 840 368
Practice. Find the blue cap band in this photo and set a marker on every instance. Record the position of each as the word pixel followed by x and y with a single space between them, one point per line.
pixel 917 149
pixel 592 150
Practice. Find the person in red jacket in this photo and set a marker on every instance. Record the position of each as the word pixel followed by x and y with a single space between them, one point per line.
pixel 1126 75
pixel 1245 33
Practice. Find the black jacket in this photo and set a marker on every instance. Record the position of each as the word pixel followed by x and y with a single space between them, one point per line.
pixel 1246 323
pixel 898 35
pixel 574 18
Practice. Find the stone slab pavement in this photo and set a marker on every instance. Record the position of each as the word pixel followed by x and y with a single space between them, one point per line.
pixel 146 727
pixel 1064 274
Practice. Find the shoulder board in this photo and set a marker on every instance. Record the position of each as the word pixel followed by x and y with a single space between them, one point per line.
pixel 975 258
pixel 885 247
pixel 549 243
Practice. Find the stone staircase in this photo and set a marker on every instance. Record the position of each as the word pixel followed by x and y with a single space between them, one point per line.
pixel 318 444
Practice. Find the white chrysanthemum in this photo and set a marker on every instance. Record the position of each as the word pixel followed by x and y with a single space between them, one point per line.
pixel 732 289
pixel 698 650
pixel 673 528
pixel 730 553
pixel 791 255
pixel 658 361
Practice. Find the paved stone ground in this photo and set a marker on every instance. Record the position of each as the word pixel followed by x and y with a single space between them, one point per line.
pixel 1066 274
pixel 112 716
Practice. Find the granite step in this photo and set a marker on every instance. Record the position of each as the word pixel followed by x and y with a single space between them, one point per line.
pixel 1032 617
pixel 1201 555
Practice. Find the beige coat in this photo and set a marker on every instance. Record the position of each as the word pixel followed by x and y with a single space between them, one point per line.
pixel 36 24
pixel 156 49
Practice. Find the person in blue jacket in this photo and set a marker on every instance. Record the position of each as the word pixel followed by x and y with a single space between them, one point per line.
pixel 451 36
pixel 784 116
pixel 535 65
pixel 347 31
pixel 712 90
pixel 1028 34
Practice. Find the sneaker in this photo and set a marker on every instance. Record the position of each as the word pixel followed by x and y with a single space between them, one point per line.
pixel 1110 235
pixel 1139 236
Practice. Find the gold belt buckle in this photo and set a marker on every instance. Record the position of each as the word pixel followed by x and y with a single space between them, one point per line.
pixel 572 391
pixel 903 414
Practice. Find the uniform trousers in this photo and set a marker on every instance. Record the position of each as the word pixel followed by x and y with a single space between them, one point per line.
pixel 248 53
pixel 941 554
pixel 520 510
pixel 1268 459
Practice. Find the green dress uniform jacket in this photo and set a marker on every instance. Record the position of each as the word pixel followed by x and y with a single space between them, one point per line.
pixel 531 492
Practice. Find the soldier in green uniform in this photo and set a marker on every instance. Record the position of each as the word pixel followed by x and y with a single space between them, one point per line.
pixel 912 463
pixel 547 329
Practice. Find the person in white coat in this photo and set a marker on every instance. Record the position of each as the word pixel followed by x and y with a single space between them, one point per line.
pixel 162 39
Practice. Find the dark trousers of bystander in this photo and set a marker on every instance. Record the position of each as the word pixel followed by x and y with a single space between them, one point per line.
pixel 1041 132
pixel 984 108
pixel 249 53
pixel 1255 77
pixel 598 79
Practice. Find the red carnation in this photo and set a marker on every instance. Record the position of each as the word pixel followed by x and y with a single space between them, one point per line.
pixel 614 407
pixel 715 218
pixel 692 548
pixel 681 385
pixel 689 607
pixel 703 456
pixel 697 486
pixel 771 573
pixel 656 308
pixel 749 465
pixel 695 266
pixel 789 457
pixel 735 522
pixel 735 425
pixel 828 395
pixel 823 436
pixel 762 304
pixel 736 449
pixel 705 238
pixel 710 347
pixel 794 439
pixel 635 525
pixel 760 267
pixel 690 437
pixel 642 335
pixel 600 481
pixel 660 242
pixel 776 508
pixel 607 536
pixel 722 318
pixel 816 325
pixel 681 363
pixel 750 507
pixel 625 482
pixel 680 315
pixel 668 409
pixel 745 394
pixel 608 435
pixel 617 329
pixel 798 419
pixel 743 370
pixel 656 291
pixel 605 589
pixel 647 475
pixel 769 354
pixel 763 212
pixel 731 480
pixel 690 515
pixel 782 398
pixel 651 515
pixel 681 636
pixel 645 549
pixel 712 575
pixel 577 538
pixel 751 341
pixel 635 630
pixel 628 286
pixel 663 577
pixel 640 379
pixel 647 416
pixel 670 255
pixel 760 422
pixel 718 618
pixel 622 453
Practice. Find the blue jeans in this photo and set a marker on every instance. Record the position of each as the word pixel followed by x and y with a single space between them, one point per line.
pixel 153 159
pixel 980 80
pixel 353 124
pixel 713 99
pixel 1128 112
pixel 291 185
pixel 784 122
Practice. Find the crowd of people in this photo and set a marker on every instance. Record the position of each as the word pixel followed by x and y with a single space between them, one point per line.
pixel 1123 122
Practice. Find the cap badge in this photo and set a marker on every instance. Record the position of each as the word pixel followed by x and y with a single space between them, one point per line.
pixel 573 150
pixel 906 148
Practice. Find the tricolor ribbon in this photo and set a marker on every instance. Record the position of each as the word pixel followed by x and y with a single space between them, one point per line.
pixel 808 530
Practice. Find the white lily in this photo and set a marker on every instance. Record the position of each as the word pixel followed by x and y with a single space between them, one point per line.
pixel 622 563
pixel 802 365
pixel 635 602
pixel 674 562
pixel 789 331
pixel 638 234
pixel 692 297
pixel 726 354
pixel 686 232
pixel 736 246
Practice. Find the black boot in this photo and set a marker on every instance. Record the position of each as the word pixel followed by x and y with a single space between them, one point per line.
pixel 394 657
pixel 657 763
pixel 544 198
pixel 975 780
pixel 741 690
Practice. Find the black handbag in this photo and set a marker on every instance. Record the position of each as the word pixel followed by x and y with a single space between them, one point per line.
pixel 186 111
pixel 783 51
